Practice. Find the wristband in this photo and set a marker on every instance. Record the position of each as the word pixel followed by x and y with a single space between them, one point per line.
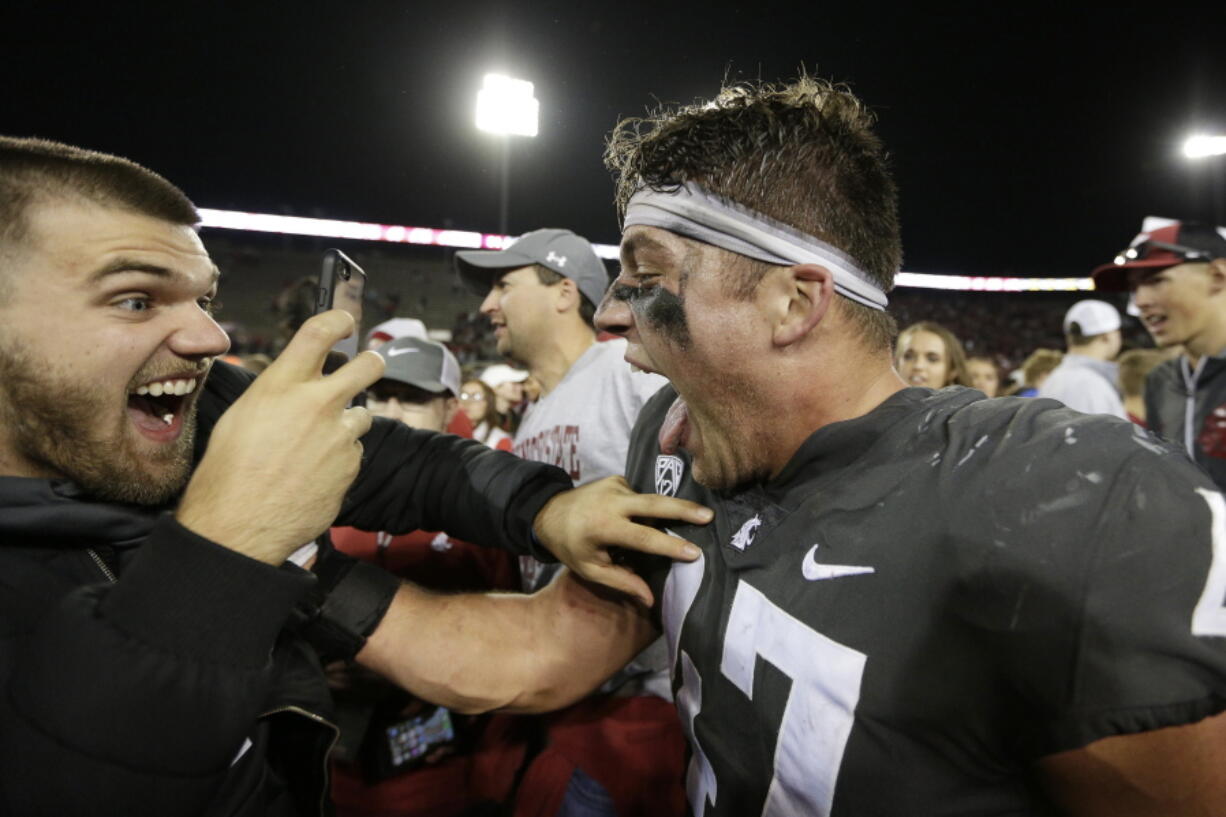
pixel 350 599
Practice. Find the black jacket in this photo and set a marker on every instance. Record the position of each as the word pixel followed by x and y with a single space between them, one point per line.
pixel 146 670
pixel 1188 408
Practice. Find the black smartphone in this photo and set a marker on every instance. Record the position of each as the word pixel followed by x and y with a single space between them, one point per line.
pixel 342 285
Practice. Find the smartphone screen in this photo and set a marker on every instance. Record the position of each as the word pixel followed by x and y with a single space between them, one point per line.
pixel 411 739
pixel 342 285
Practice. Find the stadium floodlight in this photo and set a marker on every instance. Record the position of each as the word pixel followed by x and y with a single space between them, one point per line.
pixel 1202 145
pixel 506 106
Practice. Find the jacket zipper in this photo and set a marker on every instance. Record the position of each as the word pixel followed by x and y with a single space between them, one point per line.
pixel 106 571
pixel 1190 377
pixel 336 732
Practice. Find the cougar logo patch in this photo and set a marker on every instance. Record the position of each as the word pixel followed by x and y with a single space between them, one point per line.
pixel 668 474
pixel 743 538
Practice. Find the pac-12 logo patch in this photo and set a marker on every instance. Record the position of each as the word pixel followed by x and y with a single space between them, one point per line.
pixel 668 474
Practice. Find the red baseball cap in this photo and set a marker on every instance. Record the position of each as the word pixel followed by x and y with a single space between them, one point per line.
pixel 1162 242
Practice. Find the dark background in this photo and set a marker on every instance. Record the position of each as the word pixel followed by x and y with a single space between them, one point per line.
pixel 1026 142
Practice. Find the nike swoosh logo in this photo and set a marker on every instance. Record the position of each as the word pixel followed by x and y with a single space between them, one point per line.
pixel 816 571
pixel 405 351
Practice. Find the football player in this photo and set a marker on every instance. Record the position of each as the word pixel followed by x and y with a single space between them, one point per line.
pixel 910 601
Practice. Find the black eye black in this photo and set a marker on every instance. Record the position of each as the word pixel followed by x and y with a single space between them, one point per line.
pixel 621 292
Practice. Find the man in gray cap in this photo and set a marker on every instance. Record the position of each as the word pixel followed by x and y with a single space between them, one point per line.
pixel 541 294
pixel 420 385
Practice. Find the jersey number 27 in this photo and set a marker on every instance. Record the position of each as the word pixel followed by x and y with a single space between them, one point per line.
pixel 820 709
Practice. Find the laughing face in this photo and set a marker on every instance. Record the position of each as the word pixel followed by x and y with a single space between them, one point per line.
pixel 670 303
pixel 105 339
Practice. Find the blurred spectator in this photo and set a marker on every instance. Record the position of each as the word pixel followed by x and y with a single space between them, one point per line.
pixel 983 375
pixel 1086 378
pixel 478 402
pixel 396 328
pixel 420 385
pixel 507 384
pixel 292 306
pixel 1176 272
pixel 1035 370
pixel 928 354
pixel 1135 365
pixel 397 754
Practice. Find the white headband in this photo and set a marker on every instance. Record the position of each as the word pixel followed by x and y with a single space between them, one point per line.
pixel 695 213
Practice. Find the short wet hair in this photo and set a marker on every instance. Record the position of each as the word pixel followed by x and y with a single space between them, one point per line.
pixel 802 153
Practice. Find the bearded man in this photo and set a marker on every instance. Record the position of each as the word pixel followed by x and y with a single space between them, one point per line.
pixel 157 655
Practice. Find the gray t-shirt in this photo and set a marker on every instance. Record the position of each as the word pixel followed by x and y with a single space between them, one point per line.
pixel 583 427
pixel 1086 385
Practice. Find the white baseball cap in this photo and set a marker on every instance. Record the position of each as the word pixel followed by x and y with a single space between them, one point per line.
pixel 1092 318
pixel 500 373
pixel 398 328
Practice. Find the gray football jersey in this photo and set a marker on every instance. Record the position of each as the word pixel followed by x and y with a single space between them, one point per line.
pixel 931 597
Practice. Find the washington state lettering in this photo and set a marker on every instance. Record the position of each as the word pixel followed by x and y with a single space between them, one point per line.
pixel 557 446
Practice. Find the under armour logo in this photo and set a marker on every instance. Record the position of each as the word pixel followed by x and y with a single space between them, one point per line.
pixel 560 260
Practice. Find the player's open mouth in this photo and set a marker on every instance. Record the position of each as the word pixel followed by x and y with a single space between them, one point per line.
pixel 1155 323
pixel 157 407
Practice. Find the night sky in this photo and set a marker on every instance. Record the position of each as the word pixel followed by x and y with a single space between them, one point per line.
pixel 1025 142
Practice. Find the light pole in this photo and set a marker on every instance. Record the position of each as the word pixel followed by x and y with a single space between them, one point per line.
pixel 506 108
pixel 1211 148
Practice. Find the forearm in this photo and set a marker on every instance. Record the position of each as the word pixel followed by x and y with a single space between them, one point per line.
pixel 420 480
pixel 413 479
pixel 1171 772
pixel 513 652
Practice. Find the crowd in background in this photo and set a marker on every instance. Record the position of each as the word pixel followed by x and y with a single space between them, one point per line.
pixel 1004 333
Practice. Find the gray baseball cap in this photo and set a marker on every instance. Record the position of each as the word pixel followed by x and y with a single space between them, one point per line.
pixel 425 364
pixel 559 250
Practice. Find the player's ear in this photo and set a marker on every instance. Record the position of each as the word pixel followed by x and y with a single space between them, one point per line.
pixel 805 292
